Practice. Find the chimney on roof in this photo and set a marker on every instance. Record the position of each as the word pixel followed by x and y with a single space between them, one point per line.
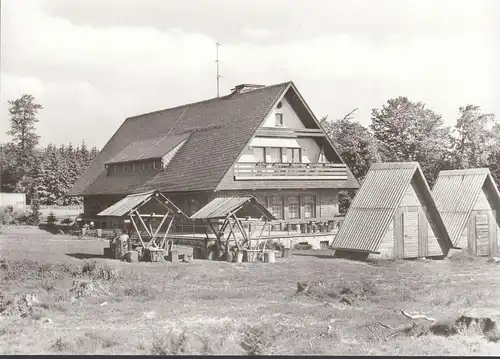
pixel 245 88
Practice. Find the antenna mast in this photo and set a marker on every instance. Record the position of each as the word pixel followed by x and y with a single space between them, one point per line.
pixel 217 62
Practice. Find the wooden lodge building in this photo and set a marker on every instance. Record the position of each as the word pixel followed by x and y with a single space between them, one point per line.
pixel 258 140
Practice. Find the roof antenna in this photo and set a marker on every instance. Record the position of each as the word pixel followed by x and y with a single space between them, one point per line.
pixel 217 44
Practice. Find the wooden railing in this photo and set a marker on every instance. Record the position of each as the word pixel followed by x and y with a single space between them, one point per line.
pixel 279 227
pixel 259 171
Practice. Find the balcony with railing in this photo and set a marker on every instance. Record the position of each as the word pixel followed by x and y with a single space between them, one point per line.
pixel 290 171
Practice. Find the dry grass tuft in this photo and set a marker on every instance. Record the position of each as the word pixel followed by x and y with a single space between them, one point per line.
pixel 88 288
pixel 61 345
pixel 257 339
pixel 99 271
pixel 170 343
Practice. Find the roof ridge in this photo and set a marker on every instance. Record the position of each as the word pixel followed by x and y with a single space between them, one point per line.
pixel 230 95
pixel 268 111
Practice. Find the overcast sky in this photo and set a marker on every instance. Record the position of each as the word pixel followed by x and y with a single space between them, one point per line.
pixel 92 63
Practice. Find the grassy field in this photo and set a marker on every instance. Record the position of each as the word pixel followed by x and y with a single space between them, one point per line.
pixel 206 307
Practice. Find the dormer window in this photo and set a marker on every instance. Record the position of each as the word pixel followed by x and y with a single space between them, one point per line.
pixel 279 120
pixel 157 165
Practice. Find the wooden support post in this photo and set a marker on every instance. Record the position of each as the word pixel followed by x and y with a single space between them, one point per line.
pixel 167 231
pixel 144 224
pixel 242 230
pixel 221 233
pixel 207 239
pixel 137 230
pixel 234 235
pixel 260 235
pixel 159 227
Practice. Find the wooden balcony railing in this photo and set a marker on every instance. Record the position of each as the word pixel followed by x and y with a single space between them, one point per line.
pixel 290 171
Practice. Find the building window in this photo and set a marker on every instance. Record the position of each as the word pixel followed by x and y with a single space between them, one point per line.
pixel 125 165
pixel 309 206
pixel 293 155
pixel 293 207
pixel 133 167
pixel 157 165
pixel 276 207
pixel 144 166
pixel 194 206
pixel 113 168
pixel 279 120
pixel 259 154
pixel 273 155
pixel 322 158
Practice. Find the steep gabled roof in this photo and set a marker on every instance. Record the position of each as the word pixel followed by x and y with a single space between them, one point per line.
pixel 456 193
pixel 375 205
pixel 218 131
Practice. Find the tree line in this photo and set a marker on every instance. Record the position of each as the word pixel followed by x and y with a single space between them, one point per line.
pixel 45 174
pixel 403 130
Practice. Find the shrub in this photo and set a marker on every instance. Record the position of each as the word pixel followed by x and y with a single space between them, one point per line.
pixel 60 345
pixel 35 210
pixel 22 218
pixel 171 344
pixel 272 245
pixel 302 246
pixel 48 284
pixel 257 340
pixel 51 219
pixel 67 221
pixel 6 215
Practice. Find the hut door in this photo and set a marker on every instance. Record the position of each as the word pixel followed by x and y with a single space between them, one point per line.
pixel 410 232
pixel 482 232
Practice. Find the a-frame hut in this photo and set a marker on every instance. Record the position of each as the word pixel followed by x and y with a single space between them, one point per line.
pixel 393 216
pixel 469 203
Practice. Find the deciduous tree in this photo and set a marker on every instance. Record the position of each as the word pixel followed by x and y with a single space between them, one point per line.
pixel 409 131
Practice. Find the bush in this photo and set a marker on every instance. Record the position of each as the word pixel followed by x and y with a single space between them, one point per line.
pixel 6 215
pixel 22 218
pixel 170 344
pixel 51 219
pixel 35 210
pixel 256 340
pixel 67 221
pixel 302 246
pixel 272 245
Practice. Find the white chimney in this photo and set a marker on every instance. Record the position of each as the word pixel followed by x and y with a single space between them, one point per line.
pixel 245 88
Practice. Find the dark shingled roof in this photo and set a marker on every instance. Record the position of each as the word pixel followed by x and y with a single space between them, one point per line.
pixel 217 130
pixel 148 149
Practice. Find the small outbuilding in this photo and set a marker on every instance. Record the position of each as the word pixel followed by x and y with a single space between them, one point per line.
pixel 393 216
pixel 224 216
pixel 469 203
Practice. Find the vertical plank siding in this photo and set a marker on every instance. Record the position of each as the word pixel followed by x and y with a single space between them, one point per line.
pixel 411 232
pixel 398 234
pixel 423 233
pixel 471 236
pixel 482 233
pixel 386 247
